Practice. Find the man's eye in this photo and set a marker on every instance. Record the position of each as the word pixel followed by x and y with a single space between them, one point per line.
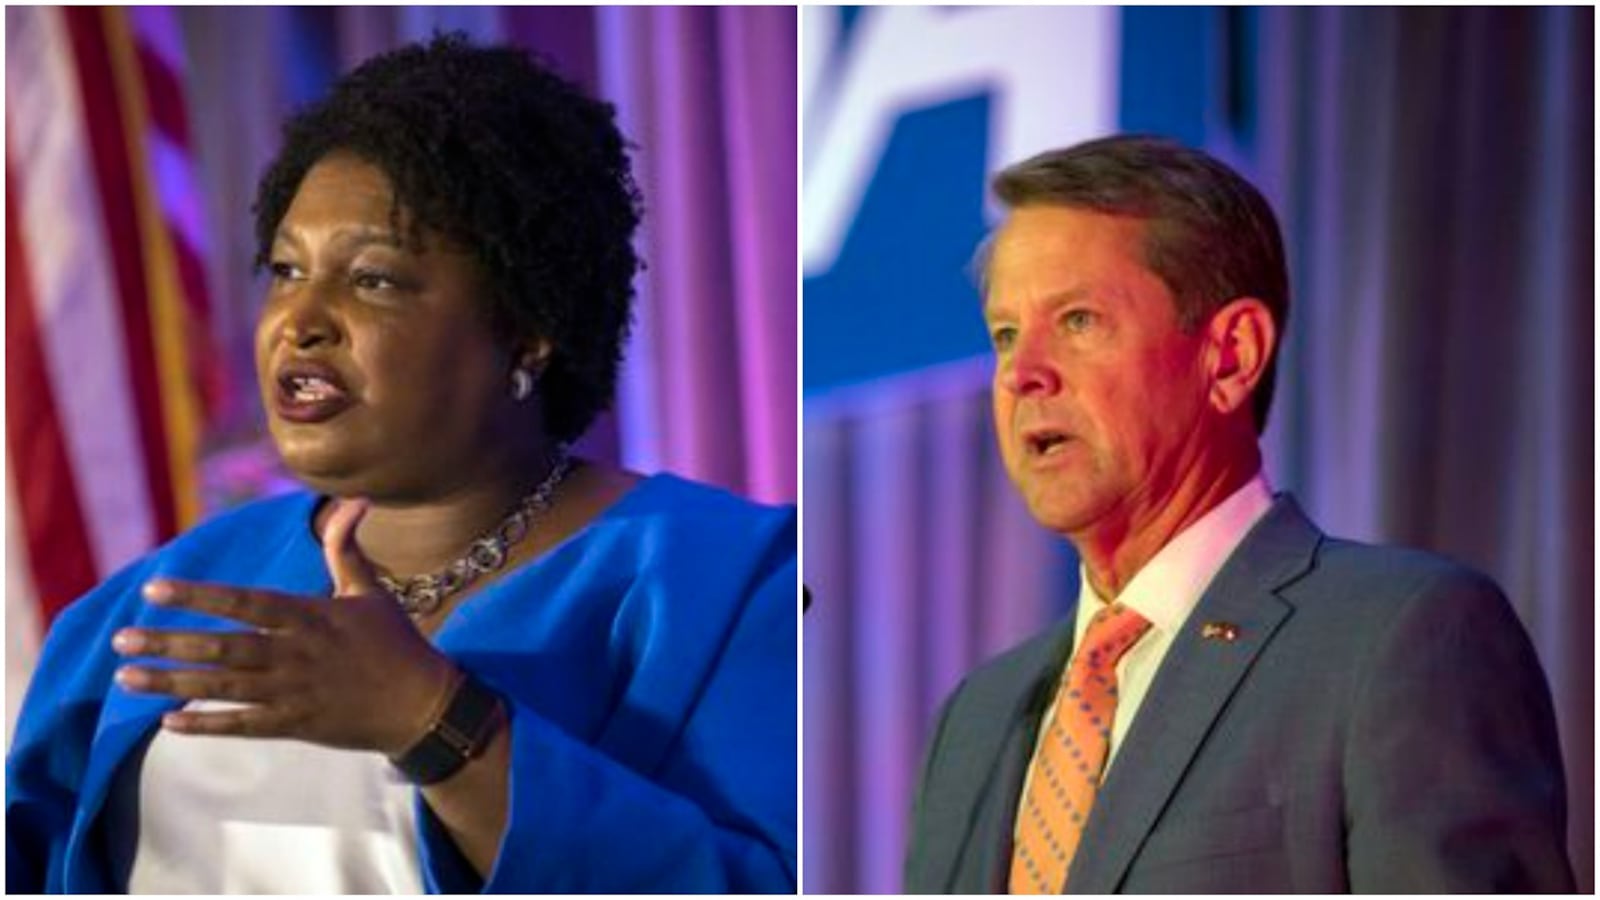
pixel 1003 337
pixel 1079 320
pixel 283 271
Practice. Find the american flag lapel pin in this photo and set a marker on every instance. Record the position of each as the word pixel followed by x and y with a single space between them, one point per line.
pixel 1227 632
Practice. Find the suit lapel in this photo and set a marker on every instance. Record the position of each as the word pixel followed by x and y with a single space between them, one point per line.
pixel 996 820
pixel 985 858
pixel 1190 690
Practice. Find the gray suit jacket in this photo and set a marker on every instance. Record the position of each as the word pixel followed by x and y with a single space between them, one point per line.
pixel 1380 724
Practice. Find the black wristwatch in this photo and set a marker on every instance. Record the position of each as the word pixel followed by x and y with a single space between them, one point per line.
pixel 469 722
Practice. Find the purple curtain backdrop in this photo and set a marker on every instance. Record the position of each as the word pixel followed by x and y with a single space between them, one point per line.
pixel 923 561
pixel 709 94
pixel 1433 171
pixel 706 95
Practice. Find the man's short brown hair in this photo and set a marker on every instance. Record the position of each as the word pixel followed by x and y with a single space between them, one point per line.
pixel 1211 238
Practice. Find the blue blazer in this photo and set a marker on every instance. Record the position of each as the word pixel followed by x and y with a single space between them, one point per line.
pixel 648 661
pixel 1380 724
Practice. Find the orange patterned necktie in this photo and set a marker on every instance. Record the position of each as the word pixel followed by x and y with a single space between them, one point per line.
pixel 1066 768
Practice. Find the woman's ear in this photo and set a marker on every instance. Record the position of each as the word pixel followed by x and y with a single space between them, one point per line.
pixel 533 354
pixel 527 367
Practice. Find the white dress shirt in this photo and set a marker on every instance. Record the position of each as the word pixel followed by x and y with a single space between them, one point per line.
pixel 1165 592
pixel 231 815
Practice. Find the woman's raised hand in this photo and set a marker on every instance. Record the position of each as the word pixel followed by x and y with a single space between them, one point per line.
pixel 350 672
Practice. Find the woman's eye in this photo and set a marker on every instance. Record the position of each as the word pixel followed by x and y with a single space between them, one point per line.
pixel 369 280
pixel 283 271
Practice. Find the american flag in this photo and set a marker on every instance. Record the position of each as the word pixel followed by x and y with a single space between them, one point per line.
pixel 111 373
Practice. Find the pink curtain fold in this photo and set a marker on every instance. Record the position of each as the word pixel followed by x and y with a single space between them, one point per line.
pixel 711 94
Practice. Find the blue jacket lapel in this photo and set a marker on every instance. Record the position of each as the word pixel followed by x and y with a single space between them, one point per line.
pixel 124 721
pixel 1190 691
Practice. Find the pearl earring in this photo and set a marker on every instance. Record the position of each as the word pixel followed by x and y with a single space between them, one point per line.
pixel 521 384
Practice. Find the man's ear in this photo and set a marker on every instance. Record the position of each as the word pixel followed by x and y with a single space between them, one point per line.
pixel 1240 339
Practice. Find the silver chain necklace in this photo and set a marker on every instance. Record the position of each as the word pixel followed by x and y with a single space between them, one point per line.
pixel 422 595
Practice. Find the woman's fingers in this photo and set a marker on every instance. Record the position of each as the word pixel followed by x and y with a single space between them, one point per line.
pixel 199 684
pixel 263 609
pixel 351 571
pixel 351 671
pixel 242 666
pixel 248 721
pixel 237 650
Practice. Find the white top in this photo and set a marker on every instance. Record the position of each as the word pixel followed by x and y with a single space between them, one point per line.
pixel 1165 592
pixel 231 815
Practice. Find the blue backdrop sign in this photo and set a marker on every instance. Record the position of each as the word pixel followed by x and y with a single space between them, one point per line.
pixel 906 112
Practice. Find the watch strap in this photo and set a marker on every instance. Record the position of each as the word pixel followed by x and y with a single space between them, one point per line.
pixel 461 733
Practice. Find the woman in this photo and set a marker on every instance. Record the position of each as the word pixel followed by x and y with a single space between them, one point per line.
pixel 462 659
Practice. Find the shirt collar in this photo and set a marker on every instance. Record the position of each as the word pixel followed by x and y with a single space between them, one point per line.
pixel 1168 588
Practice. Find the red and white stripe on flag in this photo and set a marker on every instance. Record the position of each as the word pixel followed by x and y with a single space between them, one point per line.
pixel 108 360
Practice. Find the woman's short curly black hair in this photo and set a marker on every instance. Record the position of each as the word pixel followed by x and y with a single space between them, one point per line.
pixel 488 147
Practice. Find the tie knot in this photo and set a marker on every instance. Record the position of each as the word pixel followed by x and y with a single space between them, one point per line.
pixel 1112 631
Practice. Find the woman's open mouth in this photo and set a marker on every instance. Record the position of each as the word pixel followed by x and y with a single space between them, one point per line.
pixel 309 393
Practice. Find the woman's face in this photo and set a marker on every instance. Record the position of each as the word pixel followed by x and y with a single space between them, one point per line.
pixel 378 371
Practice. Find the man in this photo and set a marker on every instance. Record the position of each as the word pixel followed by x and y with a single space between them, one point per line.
pixel 1241 703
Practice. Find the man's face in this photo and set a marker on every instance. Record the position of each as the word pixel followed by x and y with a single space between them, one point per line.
pixel 1098 396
